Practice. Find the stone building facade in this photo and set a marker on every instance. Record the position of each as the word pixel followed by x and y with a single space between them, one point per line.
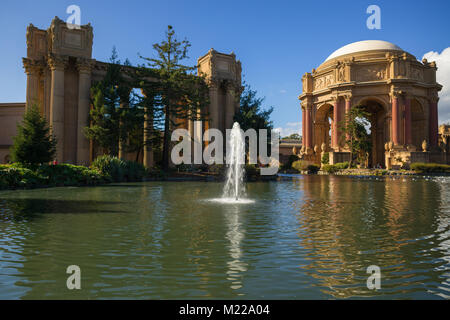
pixel 399 92
pixel 60 72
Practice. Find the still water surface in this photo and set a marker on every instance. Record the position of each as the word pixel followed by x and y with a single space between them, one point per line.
pixel 311 237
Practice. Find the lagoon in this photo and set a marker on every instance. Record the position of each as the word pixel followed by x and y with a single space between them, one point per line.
pixel 304 237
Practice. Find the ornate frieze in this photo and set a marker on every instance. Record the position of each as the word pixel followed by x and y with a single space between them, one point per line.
pixel 374 72
pixel 324 81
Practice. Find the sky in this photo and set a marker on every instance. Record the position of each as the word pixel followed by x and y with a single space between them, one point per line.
pixel 276 41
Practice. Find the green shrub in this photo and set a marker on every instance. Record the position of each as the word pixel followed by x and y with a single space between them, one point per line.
pixel 118 170
pixel 300 165
pixel 342 165
pixel 326 158
pixel 16 176
pixel 69 175
pixel 329 168
pixel 430 167
pixel 288 165
pixel 135 171
pixel 111 167
pixel 312 168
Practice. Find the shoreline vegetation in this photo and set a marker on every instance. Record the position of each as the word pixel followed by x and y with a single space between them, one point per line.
pixel 416 169
pixel 107 169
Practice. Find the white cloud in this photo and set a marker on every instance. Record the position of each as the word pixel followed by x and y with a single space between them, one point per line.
pixel 290 128
pixel 283 91
pixel 443 77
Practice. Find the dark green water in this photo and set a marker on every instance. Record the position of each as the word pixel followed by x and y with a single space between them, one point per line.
pixel 312 237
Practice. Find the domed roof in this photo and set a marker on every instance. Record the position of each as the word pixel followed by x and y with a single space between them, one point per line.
pixel 366 45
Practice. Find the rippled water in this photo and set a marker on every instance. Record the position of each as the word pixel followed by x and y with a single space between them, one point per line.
pixel 310 237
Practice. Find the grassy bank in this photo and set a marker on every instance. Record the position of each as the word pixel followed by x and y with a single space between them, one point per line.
pixel 103 170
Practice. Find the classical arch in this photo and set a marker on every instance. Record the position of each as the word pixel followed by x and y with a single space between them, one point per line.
pixel 399 92
pixel 379 129
pixel 323 124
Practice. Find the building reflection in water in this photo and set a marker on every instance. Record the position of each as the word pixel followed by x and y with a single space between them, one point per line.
pixel 348 224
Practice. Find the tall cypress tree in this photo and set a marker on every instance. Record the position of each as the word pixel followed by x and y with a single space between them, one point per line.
pixel 178 93
pixel 34 143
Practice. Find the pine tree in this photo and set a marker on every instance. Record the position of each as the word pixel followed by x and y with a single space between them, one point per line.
pixel 108 120
pixel 177 93
pixel 34 143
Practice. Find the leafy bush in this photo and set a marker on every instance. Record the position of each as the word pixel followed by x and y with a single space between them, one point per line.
pixel 430 167
pixel 300 165
pixel 69 175
pixel 119 170
pixel 329 168
pixel 288 165
pixel 16 176
pixel 312 168
pixel 326 158
pixel 135 171
pixel 342 165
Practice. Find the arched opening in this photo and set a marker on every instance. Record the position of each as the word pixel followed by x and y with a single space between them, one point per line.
pixel 377 130
pixel 323 124
pixel 418 124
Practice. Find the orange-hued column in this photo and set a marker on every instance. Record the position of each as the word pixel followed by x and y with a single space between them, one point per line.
pixel 395 120
pixel 347 111
pixel 303 127
pixel 335 125
pixel 408 134
pixel 308 127
pixel 433 123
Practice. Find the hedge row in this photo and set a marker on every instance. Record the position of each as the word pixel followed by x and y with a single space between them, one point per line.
pixel 430 167
pixel 332 168
pixel 16 176
pixel 103 170
pixel 301 165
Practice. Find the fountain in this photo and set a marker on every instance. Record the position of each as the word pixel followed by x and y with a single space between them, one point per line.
pixel 235 174
pixel 234 192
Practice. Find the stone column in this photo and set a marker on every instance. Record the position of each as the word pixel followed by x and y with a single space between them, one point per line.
pixel 408 134
pixel 32 71
pixel 214 105
pixel 433 121
pixel 394 111
pixel 348 101
pixel 230 106
pixel 303 126
pixel 308 140
pixel 335 138
pixel 57 66
pixel 84 93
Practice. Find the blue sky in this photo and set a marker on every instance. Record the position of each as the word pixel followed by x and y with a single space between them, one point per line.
pixel 276 41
